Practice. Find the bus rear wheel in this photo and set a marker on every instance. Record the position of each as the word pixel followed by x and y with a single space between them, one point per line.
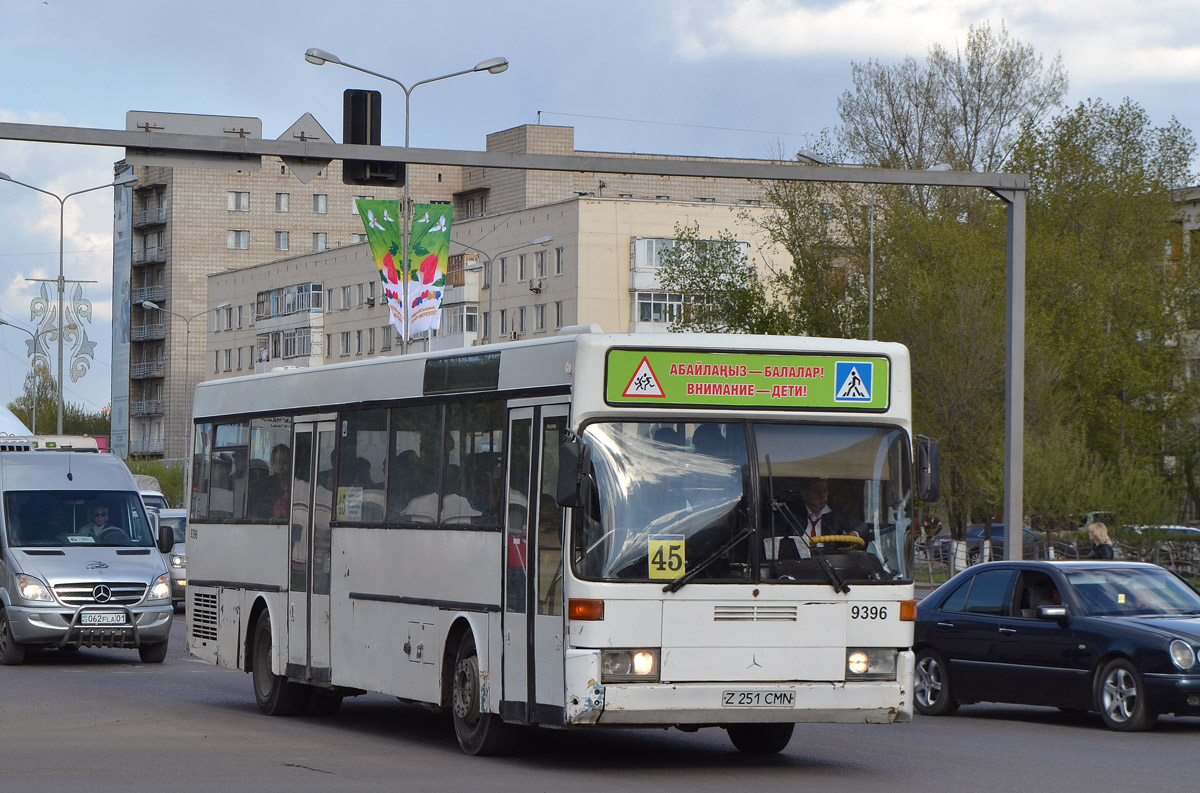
pixel 275 694
pixel 478 733
pixel 760 738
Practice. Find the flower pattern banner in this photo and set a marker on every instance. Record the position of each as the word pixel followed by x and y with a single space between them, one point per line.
pixel 428 253
pixel 382 222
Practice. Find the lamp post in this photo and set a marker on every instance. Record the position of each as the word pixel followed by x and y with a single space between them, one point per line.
pixel 33 336
pixel 319 57
pixel 62 282
pixel 542 241
pixel 187 368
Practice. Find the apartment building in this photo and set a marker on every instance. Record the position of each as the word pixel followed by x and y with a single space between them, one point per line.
pixel 288 258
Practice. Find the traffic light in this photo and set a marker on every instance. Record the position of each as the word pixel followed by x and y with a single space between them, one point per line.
pixel 361 114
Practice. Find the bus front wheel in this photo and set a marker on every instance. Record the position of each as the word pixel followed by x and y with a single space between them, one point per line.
pixel 478 733
pixel 275 694
pixel 760 738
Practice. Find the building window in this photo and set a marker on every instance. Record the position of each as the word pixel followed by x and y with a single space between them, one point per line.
pixel 358 342
pixel 216 361
pixel 503 269
pixel 520 267
pixel 657 307
pixel 319 243
pixel 385 341
pixel 370 340
pixel 558 314
pixel 560 259
pixel 281 240
pixel 229 318
pixel 281 201
pixel 487 325
pixel 539 263
pixel 503 322
pixel 241 313
pixel 328 344
pixel 320 203
pixel 520 320
pixel 357 238
pixel 229 359
pixel 239 366
pixel 487 276
pixel 346 295
pixel 345 343
pixel 371 292
pixel 354 202
pixel 238 201
pixel 238 240
pixel 539 317
pixel 362 290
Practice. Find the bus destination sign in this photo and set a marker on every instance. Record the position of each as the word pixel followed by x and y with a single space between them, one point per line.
pixel 747 380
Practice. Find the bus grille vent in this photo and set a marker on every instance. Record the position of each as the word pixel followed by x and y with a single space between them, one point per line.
pixel 754 612
pixel 203 619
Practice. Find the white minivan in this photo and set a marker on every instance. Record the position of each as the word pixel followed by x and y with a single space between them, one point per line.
pixel 79 566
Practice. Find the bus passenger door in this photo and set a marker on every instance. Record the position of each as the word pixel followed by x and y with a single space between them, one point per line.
pixel 533 598
pixel 308 593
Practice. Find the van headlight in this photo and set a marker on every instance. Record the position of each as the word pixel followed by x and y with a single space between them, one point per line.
pixel 178 561
pixel 33 589
pixel 871 663
pixel 160 589
pixel 1182 654
pixel 629 666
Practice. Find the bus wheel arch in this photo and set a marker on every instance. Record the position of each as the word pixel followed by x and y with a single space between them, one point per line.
pixel 478 733
pixel 260 605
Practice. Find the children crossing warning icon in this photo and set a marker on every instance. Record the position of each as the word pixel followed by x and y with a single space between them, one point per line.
pixel 644 383
pixel 852 381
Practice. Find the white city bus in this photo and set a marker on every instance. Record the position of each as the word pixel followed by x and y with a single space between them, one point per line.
pixel 575 532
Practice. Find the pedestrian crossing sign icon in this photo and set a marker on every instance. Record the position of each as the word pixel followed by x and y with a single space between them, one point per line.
pixel 644 383
pixel 852 380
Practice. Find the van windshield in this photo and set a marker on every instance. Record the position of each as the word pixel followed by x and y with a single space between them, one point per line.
pixel 56 518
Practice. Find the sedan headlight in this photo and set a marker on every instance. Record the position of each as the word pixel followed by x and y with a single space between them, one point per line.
pixel 871 663
pixel 629 665
pixel 178 561
pixel 160 589
pixel 33 589
pixel 1182 654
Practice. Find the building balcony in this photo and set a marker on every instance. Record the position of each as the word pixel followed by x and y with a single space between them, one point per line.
pixel 149 217
pixel 147 407
pixel 153 255
pixel 151 446
pixel 140 371
pixel 155 293
pixel 148 332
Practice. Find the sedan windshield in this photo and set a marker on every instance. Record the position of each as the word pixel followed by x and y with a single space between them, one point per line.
pixel 1132 592
pixel 53 518
pixel 820 504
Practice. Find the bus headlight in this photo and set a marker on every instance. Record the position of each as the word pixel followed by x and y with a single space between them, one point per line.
pixel 160 589
pixel 871 663
pixel 628 665
pixel 33 589
pixel 1182 654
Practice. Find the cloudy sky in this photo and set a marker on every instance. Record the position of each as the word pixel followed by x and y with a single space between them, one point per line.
pixel 741 78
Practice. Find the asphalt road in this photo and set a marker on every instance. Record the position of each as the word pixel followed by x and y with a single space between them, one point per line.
pixel 98 720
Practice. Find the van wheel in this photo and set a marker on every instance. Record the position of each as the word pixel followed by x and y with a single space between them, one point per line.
pixel 153 653
pixel 478 733
pixel 275 694
pixel 12 652
pixel 760 738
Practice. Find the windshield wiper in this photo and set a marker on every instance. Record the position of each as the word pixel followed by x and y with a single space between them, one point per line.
pixel 814 550
pixel 680 582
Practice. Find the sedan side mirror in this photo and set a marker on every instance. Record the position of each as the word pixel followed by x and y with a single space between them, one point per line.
pixel 164 535
pixel 1053 612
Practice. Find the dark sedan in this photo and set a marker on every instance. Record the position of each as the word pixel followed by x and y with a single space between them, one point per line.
pixel 1033 545
pixel 1119 638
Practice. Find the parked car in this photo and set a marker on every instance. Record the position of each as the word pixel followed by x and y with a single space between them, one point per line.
pixel 1118 638
pixel 175 521
pixel 1033 546
pixel 153 499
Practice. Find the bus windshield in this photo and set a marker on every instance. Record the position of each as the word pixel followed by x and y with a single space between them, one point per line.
pixel 822 503
pixel 55 518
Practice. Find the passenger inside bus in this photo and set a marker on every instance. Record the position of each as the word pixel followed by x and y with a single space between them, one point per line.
pixel 263 491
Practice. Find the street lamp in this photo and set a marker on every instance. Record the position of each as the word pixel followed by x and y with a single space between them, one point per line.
pixel 33 340
pixel 62 203
pixel 319 57
pixel 187 368
pixel 542 241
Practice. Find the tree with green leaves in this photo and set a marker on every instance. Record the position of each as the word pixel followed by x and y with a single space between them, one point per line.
pixel 41 389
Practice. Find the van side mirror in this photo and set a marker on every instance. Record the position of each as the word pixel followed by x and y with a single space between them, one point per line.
pixel 574 484
pixel 164 536
pixel 929 477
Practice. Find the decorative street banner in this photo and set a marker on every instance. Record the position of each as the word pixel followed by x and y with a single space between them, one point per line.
pixel 382 222
pixel 428 253
pixel 747 380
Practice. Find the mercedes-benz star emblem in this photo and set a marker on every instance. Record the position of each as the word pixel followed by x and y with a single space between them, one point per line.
pixel 102 594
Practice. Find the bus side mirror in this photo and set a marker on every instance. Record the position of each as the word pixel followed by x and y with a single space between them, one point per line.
pixel 928 474
pixel 574 485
